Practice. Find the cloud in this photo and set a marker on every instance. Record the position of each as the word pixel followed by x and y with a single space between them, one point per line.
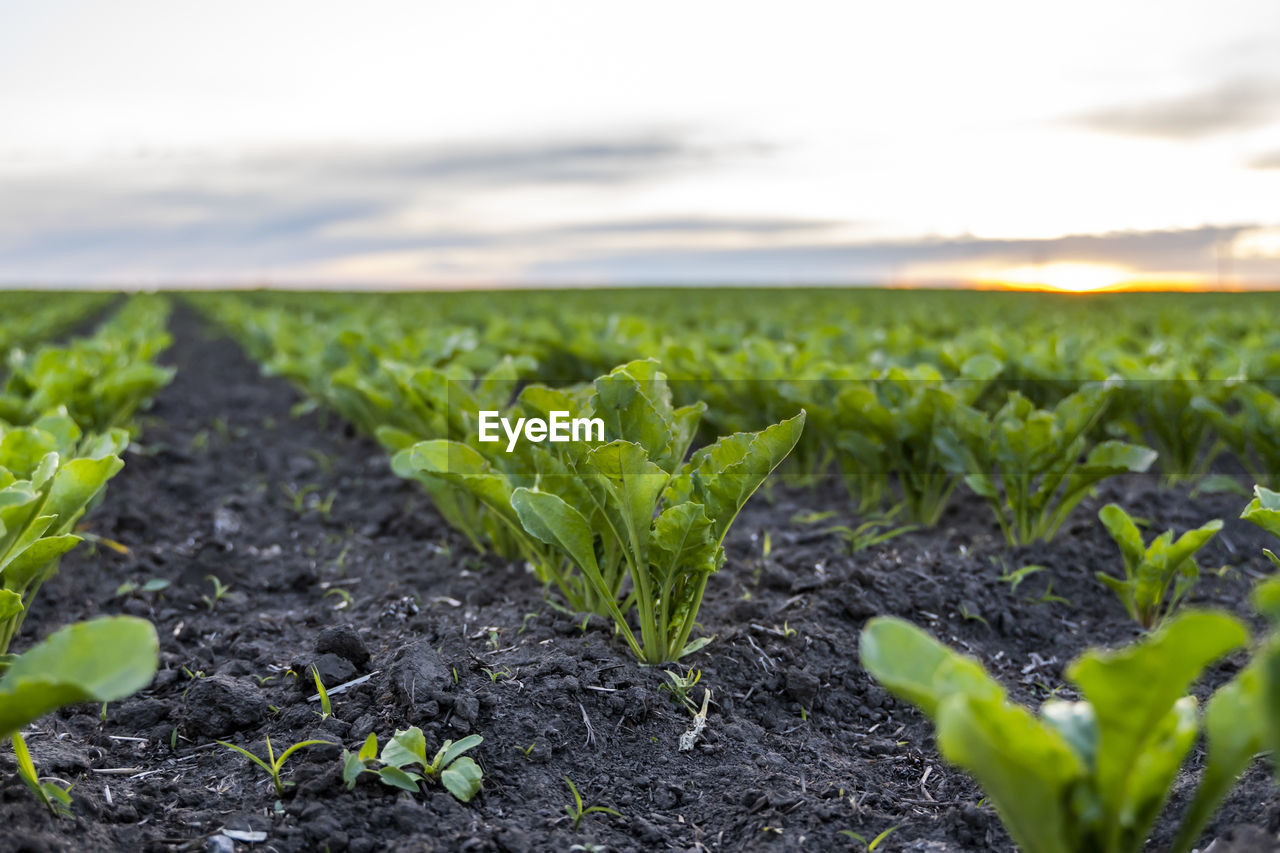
pixel 915 261
pixel 1269 160
pixel 588 161
pixel 266 212
pixel 703 225
pixel 414 214
pixel 1240 104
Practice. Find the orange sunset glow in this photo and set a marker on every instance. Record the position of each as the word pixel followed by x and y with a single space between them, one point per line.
pixel 1082 277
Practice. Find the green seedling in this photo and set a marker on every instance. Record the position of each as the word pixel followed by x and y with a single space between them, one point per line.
pixel 298 497
pixel 1157 576
pixel 495 674
pixel 53 793
pixel 1015 578
pixel 577 811
pixel 155 586
pixel 344 597
pixel 274 765
pixel 326 709
pixel 680 686
pixel 458 773
pixel 219 592
pixel 872 532
pixel 869 846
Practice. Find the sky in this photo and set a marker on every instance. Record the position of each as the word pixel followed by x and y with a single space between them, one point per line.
pixel 1084 145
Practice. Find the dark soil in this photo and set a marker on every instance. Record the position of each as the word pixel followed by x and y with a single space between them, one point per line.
pixel 294 513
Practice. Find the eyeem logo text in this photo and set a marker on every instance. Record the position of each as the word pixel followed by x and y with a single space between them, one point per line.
pixel 560 427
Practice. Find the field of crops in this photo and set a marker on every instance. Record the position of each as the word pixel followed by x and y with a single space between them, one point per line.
pixel 811 569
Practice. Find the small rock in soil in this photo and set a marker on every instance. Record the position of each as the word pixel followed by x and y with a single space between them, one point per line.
pixel 802 686
pixel 333 671
pixel 219 844
pixel 418 673
pixel 343 641
pixel 219 705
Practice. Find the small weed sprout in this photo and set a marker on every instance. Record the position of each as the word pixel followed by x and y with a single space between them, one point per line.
pixel 874 531
pixel 219 592
pixel 1015 578
pixel 345 598
pixel 869 846
pixel 680 686
pixel 577 811
pixel 326 707
pixel 274 765
pixel 56 798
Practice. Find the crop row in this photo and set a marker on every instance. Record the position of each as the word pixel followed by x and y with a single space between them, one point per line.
pixel 904 404
pixel 66 415
pixel 630 525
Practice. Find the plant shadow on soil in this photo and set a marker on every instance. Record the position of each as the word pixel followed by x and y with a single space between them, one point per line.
pixel 286 509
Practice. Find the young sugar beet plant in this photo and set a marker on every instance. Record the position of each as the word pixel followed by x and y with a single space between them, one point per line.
pixel 407 749
pixel 1156 576
pixel 1033 466
pixel 485 476
pixel 888 426
pixel 625 508
pixel 403 405
pixel 49 476
pixel 1090 776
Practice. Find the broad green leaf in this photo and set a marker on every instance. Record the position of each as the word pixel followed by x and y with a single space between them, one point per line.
pixel 1264 510
pixel 1133 691
pixel 75 485
pixel 1192 541
pixel 395 440
pixel 723 476
pixel 397 777
pixel 1025 766
pixel 453 749
pixel 918 668
pixel 549 519
pixel 406 747
pixel 463 467
pixel 369 749
pixel 352 767
pixel 626 486
pixel 462 779
pixel 1116 457
pixel 1126 535
pixel 10 605
pixel 101 660
pixel 684 540
pixel 22 450
pixel 635 404
pixel 29 563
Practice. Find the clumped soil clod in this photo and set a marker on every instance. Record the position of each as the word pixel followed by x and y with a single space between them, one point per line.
pixel 328 559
